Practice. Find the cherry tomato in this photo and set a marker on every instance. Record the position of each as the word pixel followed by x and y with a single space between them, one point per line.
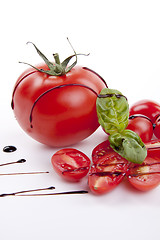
pixel 57 110
pixel 142 126
pixel 146 176
pixel 71 164
pixel 101 150
pixel 108 170
pixel 153 148
pixel 148 108
pixel 157 127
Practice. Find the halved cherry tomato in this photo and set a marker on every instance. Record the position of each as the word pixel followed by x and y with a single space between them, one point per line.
pixel 71 164
pixel 146 107
pixel 142 125
pixel 108 169
pixel 146 176
pixel 153 148
pixel 101 150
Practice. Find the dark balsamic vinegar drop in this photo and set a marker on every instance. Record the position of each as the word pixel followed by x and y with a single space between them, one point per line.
pixel 9 149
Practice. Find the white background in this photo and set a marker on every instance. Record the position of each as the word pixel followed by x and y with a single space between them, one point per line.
pixel 123 39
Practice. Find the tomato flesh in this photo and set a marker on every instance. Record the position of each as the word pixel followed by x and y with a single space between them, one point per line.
pixel 108 169
pixel 71 164
pixel 146 176
pixel 153 148
pixel 101 150
pixel 59 117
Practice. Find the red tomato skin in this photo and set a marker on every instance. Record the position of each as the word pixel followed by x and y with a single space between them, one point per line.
pixel 71 164
pixel 145 182
pixel 100 151
pixel 142 126
pixel 102 185
pixel 153 148
pixel 105 159
pixel 63 116
pixel 146 107
pixel 157 128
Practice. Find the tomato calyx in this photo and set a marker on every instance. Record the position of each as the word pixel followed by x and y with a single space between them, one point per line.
pixel 56 68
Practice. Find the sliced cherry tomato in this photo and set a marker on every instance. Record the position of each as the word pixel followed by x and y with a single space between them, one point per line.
pixel 71 164
pixel 148 108
pixel 108 169
pixel 142 125
pixel 101 150
pixel 153 148
pixel 157 127
pixel 146 176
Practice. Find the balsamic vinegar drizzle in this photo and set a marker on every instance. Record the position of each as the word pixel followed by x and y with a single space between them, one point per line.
pixel 9 149
pixel 21 173
pixel 26 191
pixel 60 86
pixel 144 173
pixel 54 88
pixel 117 173
pixel 139 115
pixel 66 85
pixel 97 75
pixel 141 174
pixel 111 95
pixel 142 116
pixel 148 164
pixel 12 102
pixel 9 163
pixel 53 194
pixel 110 174
pixel 34 71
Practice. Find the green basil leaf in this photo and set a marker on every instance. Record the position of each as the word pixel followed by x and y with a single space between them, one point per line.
pixel 112 110
pixel 129 145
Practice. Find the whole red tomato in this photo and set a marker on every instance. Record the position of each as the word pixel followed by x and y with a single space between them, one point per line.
pixel 157 127
pixel 146 107
pixel 142 125
pixel 57 110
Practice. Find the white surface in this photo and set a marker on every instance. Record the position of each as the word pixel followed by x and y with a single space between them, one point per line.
pixel 123 39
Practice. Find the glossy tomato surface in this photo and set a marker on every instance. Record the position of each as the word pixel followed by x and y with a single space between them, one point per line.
pixel 71 164
pixel 146 176
pixel 153 148
pixel 63 115
pixel 108 169
pixel 142 126
pixel 146 107
pixel 101 150
pixel 157 127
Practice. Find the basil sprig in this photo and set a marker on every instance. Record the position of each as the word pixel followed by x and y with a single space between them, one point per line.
pixel 113 114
